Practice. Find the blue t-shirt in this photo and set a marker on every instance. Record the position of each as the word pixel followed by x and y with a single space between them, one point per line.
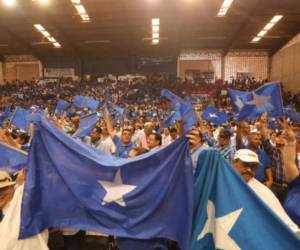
pixel 122 151
pixel 264 163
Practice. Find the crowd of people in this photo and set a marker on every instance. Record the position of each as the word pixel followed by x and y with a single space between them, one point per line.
pixel 267 159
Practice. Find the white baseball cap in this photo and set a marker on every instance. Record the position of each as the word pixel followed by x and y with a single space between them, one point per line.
pixel 6 180
pixel 246 155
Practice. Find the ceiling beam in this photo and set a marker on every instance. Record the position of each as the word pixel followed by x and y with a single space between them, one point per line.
pixel 20 41
pixel 246 18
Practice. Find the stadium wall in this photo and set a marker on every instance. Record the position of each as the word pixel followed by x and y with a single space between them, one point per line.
pixel 285 65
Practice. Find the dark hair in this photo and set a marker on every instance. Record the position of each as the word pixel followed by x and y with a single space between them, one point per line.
pixel 157 137
pixel 173 130
pixel 24 137
pixel 141 150
pixel 126 129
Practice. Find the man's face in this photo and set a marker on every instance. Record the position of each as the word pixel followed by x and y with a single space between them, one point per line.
pixel 254 140
pixel 126 137
pixel 245 169
pixel 152 142
pixel 6 195
pixel 95 136
pixel 223 141
pixel 173 135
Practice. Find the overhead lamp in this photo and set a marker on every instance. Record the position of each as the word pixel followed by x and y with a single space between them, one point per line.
pixel 256 39
pixel 262 33
pixel 45 33
pixel 75 1
pixel 155 41
pixel 39 27
pixel 155 35
pixel 57 45
pixel 155 29
pixel 85 17
pixel 51 39
pixel 155 21
pixel 224 8
pixel 275 19
pixel 80 9
pixel 9 3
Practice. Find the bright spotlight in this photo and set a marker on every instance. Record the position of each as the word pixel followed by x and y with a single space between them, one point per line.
pixel 9 3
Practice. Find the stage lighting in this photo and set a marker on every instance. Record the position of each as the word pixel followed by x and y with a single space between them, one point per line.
pixel 9 3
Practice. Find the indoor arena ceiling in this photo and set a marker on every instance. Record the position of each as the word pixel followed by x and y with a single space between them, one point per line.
pixel 123 27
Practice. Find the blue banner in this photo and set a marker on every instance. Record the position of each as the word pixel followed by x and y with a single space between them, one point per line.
pixel 145 197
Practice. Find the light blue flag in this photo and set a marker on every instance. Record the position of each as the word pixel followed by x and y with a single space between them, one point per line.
pixel 215 116
pixel 291 113
pixel 86 125
pixel 229 215
pixel 182 110
pixel 19 118
pixel 251 105
pixel 85 102
pixel 61 106
pixel 11 159
pixel 150 196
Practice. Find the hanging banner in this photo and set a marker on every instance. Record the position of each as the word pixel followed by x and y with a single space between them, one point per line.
pixel 59 72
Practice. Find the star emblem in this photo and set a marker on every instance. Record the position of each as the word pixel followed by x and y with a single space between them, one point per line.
pixel 239 103
pixel 220 227
pixel 116 190
pixel 260 101
pixel 213 115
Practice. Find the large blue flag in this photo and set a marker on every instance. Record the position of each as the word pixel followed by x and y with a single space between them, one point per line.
pixel 11 159
pixel 19 118
pixel 266 98
pixel 238 99
pixel 87 124
pixel 291 113
pixel 61 106
pixel 215 116
pixel 183 110
pixel 85 102
pixel 229 215
pixel 145 197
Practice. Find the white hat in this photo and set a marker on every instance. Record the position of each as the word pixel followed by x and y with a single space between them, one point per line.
pixel 5 180
pixel 246 155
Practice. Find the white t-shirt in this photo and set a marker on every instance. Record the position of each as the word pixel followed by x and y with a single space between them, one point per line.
pixel 267 196
pixel 10 227
pixel 107 146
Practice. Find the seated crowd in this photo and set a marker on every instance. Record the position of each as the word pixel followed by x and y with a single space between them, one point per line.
pixel 267 159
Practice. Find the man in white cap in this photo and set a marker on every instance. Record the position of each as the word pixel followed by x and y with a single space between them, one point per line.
pixel 246 163
pixel 10 219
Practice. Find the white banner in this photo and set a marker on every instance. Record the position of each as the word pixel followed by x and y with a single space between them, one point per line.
pixel 59 72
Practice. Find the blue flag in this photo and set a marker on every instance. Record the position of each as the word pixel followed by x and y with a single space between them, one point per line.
pixel 86 125
pixel 61 106
pixel 266 98
pixel 238 99
pixel 292 114
pixel 19 118
pixel 229 215
pixel 182 110
pixel 142 198
pixel 11 159
pixel 85 102
pixel 215 116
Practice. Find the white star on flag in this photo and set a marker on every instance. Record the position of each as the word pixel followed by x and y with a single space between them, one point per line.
pixel 261 101
pixel 213 115
pixel 116 190
pixel 239 103
pixel 220 228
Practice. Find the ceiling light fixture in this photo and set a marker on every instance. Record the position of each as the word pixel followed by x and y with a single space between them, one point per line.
pixel 47 35
pixel 155 31
pixel 81 10
pixel 224 8
pixel 275 19
pixel 9 3
pixel 42 2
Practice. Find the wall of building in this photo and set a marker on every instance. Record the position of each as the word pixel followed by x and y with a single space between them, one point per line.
pixel 246 63
pixel 285 65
